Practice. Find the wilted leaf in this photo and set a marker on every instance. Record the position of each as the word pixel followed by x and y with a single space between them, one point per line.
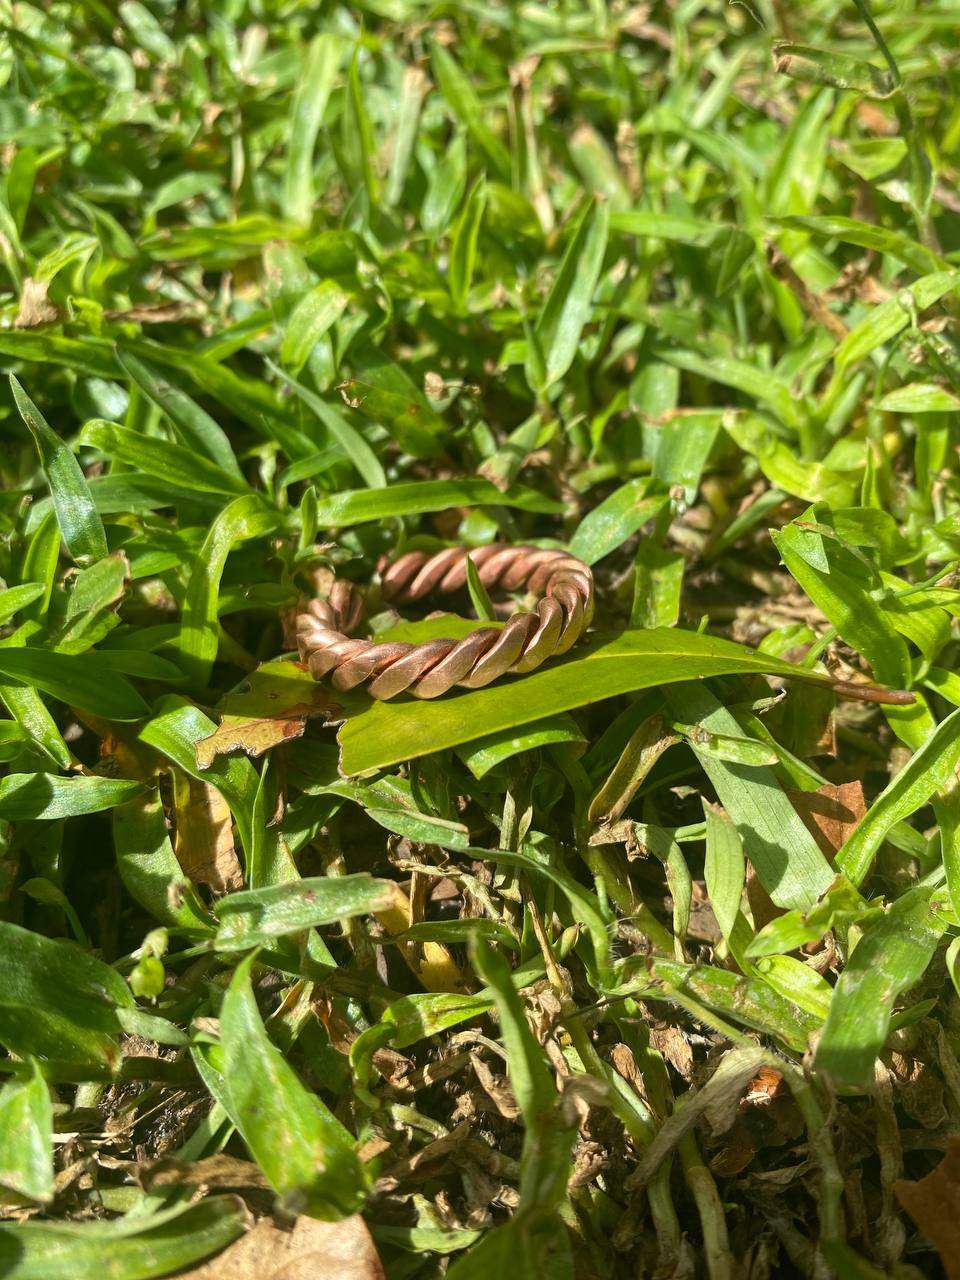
pixel 35 306
pixel 817 66
pixel 718 1101
pixel 307 1250
pixel 204 845
pixel 214 1173
pixel 272 707
pixel 933 1203
pixel 645 747
pixel 830 813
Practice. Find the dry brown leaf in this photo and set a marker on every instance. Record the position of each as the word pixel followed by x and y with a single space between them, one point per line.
pixel 214 1173
pixel 431 962
pixel 497 1090
pixel 424 1161
pixel 156 313
pixel 876 119
pixel 920 1092
pixel 395 1068
pixel 311 1250
pixel 434 386
pixel 702 926
pixel 252 736
pixel 831 813
pixel 638 757
pixel 766 1117
pixel 934 1205
pixel 340 1032
pixel 121 755
pixel 762 907
pixel 734 1154
pixel 204 845
pixel 672 1044
pixel 766 1084
pixel 35 307
pixel 274 707
pixel 808 298
pixel 625 1064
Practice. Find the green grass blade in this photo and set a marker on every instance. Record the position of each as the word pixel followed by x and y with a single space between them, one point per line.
pixel 344 435
pixel 172 462
pixel 199 633
pixel 463 247
pixel 44 795
pixel 388 732
pixel 77 680
pixel 136 1247
pixel 785 856
pixel 927 772
pixel 616 519
pixel 256 917
pixel 195 426
pixel 418 497
pixel 149 868
pixel 890 957
pixel 321 64
pixel 26 1138
pixel 465 104
pixel 836 582
pixel 315 313
pixel 77 516
pixel 59 1002
pixel 304 1151
pixel 565 312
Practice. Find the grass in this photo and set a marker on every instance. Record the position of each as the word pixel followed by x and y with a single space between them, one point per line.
pixel 644 964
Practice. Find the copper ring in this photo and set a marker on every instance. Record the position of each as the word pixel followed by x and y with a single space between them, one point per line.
pixel 563 613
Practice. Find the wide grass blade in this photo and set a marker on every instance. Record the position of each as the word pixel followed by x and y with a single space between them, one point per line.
pixel 560 324
pixel 77 516
pixel 890 957
pixel 244 518
pixel 318 74
pixel 26 1138
pixel 135 1247
pixel 388 732
pixel 927 772
pixel 305 1152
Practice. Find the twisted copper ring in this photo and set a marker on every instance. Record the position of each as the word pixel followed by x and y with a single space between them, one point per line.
pixel 563 613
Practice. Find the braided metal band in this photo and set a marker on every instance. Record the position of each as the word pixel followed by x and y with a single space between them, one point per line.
pixel 563 613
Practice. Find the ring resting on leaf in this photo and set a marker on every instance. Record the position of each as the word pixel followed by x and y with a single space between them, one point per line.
pixel 527 639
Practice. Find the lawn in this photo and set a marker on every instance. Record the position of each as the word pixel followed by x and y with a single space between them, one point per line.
pixel 644 963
